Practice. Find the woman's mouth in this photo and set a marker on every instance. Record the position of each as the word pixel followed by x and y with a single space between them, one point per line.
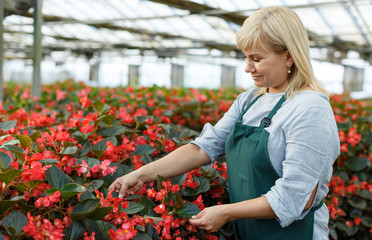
pixel 255 78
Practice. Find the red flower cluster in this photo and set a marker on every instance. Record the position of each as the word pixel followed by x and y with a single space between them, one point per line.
pixel 43 229
pixel 48 201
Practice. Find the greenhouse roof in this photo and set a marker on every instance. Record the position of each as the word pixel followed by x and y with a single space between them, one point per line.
pixel 173 27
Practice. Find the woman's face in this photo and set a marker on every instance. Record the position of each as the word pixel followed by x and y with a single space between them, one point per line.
pixel 268 69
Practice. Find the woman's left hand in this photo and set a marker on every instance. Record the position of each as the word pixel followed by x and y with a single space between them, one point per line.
pixel 211 218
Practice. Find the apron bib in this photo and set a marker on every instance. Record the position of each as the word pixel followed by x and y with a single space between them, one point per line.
pixel 251 174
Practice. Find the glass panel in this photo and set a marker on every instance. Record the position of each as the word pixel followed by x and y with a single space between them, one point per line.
pixel 313 21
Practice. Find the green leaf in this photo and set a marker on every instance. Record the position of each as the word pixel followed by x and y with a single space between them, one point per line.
pixel 95 184
pixel 74 231
pixel 186 133
pixel 107 119
pixel 71 189
pixel 344 125
pixel 141 236
pixel 144 149
pixel 49 161
pixel 17 151
pixel 67 144
pixel 11 143
pixel 133 208
pixel 86 195
pixel 343 175
pixel 5 161
pixel 9 175
pixel 25 141
pixel 130 197
pixel 70 150
pixel 4 136
pixel 90 161
pixel 148 207
pixel 110 131
pixel 98 105
pixel 203 186
pixel 86 146
pixel 187 210
pixel 93 226
pixel 358 202
pixel 228 229
pixel 56 178
pixel 355 213
pixel 160 179
pixel 78 135
pixel 333 233
pixel 35 135
pixel 97 153
pixel 84 208
pixel 15 220
pixel 365 194
pixel 5 126
pixel 367 221
pixel 150 230
pixel 105 226
pixel 350 231
pixel 178 198
pixel 51 191
pixel 32 184
pixel 5 205
pixel 209 172
pixel 146 159
pixel 356 163
pixel 99 148
pixel 99 213
pixel 25 206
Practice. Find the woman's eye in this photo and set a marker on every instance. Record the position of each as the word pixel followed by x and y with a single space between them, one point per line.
pixel 256 60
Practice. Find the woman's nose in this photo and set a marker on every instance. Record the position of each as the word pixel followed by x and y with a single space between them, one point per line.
pixel 249 67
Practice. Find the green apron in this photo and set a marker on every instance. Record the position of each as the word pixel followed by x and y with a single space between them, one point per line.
pixel 251 175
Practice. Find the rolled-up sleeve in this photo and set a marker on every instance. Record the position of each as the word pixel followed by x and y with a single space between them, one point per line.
pixel 311 148
pixel 212 138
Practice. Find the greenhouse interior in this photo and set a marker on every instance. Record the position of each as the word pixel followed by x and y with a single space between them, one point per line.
pixel 91 90
pixel 112 43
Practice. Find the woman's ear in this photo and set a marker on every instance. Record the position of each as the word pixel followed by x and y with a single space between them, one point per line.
pixel 289 60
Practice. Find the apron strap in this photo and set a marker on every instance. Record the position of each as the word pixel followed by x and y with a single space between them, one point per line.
pixel 317 206
pixel 265 122
pixel 250 105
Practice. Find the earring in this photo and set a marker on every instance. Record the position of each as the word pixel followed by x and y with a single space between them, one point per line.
pixel 289 70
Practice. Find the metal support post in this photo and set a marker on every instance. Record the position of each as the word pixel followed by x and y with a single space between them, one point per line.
pixel 1 50
pixel 37 49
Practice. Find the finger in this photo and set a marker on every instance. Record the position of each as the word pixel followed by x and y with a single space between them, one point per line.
pixel 123 189
pixel 197 221
pixel 199 215
pixel 115 185
pixel 137 187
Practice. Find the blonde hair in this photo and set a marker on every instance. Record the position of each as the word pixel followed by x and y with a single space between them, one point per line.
pixel 282 30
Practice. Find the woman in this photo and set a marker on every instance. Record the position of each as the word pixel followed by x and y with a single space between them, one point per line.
pixel 280 140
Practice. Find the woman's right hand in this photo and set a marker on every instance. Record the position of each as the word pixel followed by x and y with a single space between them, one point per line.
pixel 127 184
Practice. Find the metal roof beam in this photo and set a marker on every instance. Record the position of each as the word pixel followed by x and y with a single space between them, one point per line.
pixel 355 21
pixel 141 32
pixel 196 8
pixel 362 18
pixel 299 6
